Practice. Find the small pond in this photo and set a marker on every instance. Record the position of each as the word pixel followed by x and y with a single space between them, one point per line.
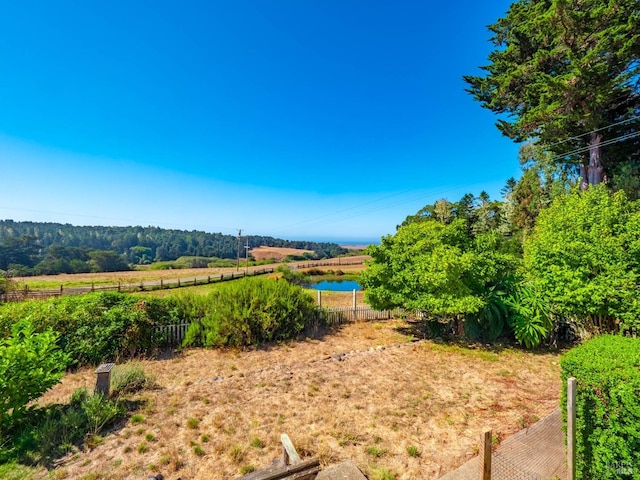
pixel 337 285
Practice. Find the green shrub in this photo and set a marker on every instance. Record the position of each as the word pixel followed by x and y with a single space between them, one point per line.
pixel 100 411
pixel 249 312
pixel 30 364
pixel 607 371
pixel 294 277
pixel 51 432
pixel 95 327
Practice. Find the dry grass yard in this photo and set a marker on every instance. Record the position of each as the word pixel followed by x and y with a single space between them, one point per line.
pixel 365 392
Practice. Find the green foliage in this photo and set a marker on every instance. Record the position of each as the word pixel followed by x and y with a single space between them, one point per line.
pixel 15 471
pixel 95 327
pixel 437 268
pixel 294 277
pixel 607 370
pixel 48 248
pixel 107 261
pixel 99 411
pixel 585 256
pixel 248 312
pixel 51 432
pixel 560 70
pixel 30 364
pixel 530 317
pixel 5 283
pixel 489 322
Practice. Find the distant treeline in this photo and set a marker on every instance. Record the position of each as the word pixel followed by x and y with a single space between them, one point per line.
pixel 49 248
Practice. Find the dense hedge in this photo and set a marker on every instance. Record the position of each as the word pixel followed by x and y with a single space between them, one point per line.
pixel 249 312
pixel 99 327
pixel 607 370
pixel 95 327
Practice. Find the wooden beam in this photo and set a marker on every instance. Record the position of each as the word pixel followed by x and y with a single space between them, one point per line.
pixel 307 469
pixel 289 454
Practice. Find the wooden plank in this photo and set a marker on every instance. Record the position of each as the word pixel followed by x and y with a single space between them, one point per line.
pixel 299 471
pixel 289 454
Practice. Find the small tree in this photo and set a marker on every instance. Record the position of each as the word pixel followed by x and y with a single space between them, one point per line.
pixel 30 364
pixel 440 269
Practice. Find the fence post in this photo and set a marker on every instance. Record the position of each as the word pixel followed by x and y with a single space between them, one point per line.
pixel 161 284
pixel 355 309
pixel 485 455
pixel 319 298
pixel 571 428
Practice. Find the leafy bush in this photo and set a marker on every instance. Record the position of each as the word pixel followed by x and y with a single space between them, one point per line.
pixel 51 432
pixel 584 254
pixel 250 311
pixel 437 268
pixel 30 364
pixel 607 370
pixel 95 327
pixel 294 277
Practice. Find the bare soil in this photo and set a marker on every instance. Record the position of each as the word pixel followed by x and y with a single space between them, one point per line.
pixel 365 392
pixel 276 253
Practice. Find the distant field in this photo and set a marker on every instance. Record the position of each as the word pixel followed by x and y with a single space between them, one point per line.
pixel 276 253
pixel 137 276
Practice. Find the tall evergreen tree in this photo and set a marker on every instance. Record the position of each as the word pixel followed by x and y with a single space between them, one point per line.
pixel 568 71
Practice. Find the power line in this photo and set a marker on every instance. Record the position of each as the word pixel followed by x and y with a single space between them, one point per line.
pixel 621 138
pixel 577 137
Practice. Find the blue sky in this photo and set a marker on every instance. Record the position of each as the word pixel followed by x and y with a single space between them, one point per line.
pixel 327 120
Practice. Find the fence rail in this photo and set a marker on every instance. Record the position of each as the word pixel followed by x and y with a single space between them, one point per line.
pixel 26 293
pixel 339 315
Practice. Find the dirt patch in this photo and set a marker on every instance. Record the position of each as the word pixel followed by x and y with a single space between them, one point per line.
pixel 365 392
pixel 276 253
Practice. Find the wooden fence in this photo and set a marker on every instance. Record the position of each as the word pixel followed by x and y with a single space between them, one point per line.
pixel 334 316
pixel 172 335
pixel 26 293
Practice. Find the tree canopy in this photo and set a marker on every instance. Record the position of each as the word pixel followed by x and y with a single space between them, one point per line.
pixel 567 74
pixel 49 248
pixel 435 267
pixel 584 255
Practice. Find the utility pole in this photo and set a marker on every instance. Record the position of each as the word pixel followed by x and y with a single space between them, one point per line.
pixel 238 261
pixel 246 258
